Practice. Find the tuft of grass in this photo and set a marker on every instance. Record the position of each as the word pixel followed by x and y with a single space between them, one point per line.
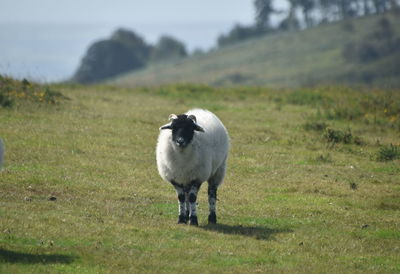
pixel 388 153
pixel 340 112
pixel 324 158
pixel 353 185
pixel 305 97
pixel 315 126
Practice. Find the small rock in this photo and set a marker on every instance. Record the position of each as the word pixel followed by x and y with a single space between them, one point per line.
pixel 52 198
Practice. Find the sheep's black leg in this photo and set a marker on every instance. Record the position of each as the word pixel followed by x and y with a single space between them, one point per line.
pixel 187 204
pixel 213 184
pixel 212 202
pixel 194 189
pixel 183 214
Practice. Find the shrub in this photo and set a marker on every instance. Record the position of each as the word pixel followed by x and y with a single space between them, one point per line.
pixel 337 136
pixel 388 153
pixel 14 91
pixel 334 136
pixel 5 99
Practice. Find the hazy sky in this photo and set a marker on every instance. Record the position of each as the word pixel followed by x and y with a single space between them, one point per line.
pixel 126 11
pixel 46 39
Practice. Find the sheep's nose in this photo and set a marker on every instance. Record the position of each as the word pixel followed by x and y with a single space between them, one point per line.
pixel 180 141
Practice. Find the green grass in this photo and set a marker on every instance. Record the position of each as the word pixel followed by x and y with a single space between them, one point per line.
pixel 291 201
pixel 290 59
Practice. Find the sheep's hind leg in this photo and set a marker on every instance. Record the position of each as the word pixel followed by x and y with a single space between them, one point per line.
pixel 183 210
pixel 212 201
pixel 213 184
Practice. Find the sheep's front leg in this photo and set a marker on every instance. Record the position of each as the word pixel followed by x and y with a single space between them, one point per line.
pixel 187 205
pixel 194 189
pixel 183 209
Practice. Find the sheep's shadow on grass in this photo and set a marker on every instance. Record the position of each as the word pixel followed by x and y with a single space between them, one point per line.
pixel 257 232
pixel 8 256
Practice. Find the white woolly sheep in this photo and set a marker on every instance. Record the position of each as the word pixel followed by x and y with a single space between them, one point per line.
pixel 191 149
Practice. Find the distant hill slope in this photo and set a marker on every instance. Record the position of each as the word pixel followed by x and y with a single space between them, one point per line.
pixel 306 58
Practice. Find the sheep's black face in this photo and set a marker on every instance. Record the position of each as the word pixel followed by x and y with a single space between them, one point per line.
pixel 183 128
pixel 182 131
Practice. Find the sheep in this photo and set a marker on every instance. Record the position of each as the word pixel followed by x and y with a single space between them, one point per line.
pixel 191 149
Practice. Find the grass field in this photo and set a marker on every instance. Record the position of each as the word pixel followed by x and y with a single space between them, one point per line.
pixel 313 183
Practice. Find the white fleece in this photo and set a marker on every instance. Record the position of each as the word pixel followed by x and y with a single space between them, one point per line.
pixel 201 159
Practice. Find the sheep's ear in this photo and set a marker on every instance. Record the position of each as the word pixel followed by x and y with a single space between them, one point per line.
pixel 193 118
pixel 198 128
pixel 172 117
pixel 167 126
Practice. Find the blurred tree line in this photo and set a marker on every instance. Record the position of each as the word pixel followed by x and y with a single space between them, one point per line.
pixel 380 46
pixel 125 51
pixel 303 14
pixel 380 42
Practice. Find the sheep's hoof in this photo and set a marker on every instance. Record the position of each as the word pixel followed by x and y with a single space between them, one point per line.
pixel 193 220
pixel 212 218
pixel 182 219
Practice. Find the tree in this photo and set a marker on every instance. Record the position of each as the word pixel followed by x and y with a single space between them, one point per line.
pixel 264 10
pixel 326 8
pixel 366 7
pixel 291 22
pixel 380 43
pixel 307 6
pixel 167 49
pixel 345 8
pixel 240 33
pixel 380 6
pixel 124 51
pixel 134 42
pixel 105 59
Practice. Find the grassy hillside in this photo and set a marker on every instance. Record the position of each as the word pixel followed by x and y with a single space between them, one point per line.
pixel 288 59
pixel 312 183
